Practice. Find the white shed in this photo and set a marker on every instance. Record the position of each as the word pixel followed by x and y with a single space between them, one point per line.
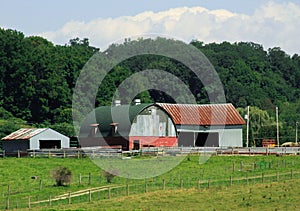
pixel 34 138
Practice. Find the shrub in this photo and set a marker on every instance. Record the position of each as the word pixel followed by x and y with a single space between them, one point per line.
pixel 62 176
pixel 109 175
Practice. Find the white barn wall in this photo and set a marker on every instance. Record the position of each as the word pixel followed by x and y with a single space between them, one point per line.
pixel 49 134
pixel 228 136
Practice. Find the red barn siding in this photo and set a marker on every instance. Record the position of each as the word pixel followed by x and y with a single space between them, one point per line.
pixel 153 141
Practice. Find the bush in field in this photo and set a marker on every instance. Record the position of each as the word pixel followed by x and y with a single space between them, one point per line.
pixel 62 176
pixel 109 175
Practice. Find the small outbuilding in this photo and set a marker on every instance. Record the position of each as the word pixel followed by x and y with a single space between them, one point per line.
pixel 34 139
pixel 163 124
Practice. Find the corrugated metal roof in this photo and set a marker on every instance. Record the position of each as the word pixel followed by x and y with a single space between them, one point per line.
pixel 209 114
pixel 24 133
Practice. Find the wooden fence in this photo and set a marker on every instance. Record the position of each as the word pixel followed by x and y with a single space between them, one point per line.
pixel 151 151
pixel 113 191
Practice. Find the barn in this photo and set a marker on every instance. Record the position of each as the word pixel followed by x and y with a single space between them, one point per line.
pixel 33 139
pixel 163 124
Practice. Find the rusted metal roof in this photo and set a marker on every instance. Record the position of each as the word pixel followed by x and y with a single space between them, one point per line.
pixel 24 133
pixel 205 115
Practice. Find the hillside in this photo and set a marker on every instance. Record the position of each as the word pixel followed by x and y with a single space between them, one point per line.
pixel 38 77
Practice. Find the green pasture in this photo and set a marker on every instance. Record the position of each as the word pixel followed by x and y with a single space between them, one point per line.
pixel 282 195
pixel 18 186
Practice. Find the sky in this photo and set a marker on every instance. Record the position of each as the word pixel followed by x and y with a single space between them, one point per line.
pixel 272 23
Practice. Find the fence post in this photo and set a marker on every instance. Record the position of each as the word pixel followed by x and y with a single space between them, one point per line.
pixel 199 185
pixel 19 154
pixel 181 183
pixel 90 195
pixel 41 184
pixel 230 179
pixel 89 178
pixel 50 201
pixel 69 198
pixel 108 192
pixel 241 165
pixel 262 177
pixel 64 154
pixel 291 173
pixel 146 187
pixel 233 166
pixel 127 189
pixel 80 179
pixel 78 154
pixel 8 190
pixel 7 202
pixel 247 180
pixel 164 184
pixel 29 202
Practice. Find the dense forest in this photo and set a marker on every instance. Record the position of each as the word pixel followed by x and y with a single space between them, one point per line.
pixel 38 80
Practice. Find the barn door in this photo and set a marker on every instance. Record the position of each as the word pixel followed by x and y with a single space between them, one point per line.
pixel 207 139
pixel 186 139
pixel 50 144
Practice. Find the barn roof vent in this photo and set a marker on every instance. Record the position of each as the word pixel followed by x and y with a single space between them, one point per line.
pixel 117 102
pixel 93 130
pixel 137 101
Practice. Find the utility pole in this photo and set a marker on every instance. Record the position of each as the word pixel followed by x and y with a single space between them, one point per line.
pixel 247 133
pixel 296 140
pixel 277 126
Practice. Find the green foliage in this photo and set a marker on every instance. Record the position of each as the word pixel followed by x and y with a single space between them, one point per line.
pixel 64 128
pixel 261 125
pixel 37 78
pixel 62 176
pixel 9 123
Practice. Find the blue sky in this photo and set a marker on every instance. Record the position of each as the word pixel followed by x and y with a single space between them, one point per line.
pixel 61 20
pixel 34 16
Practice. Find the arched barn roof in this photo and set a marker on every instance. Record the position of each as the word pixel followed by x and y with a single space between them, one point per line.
pixel 104 118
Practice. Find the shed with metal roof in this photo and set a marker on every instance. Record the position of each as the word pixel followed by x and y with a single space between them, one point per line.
pixel 33 139
pixel 163 124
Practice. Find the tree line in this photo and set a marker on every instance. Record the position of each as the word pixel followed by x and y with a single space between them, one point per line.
pixel 38 79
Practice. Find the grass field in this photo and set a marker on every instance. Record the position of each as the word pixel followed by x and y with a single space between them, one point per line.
pixel 219 173
pixel 272 196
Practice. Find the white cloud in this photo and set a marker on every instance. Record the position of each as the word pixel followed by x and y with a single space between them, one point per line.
pixel 272 24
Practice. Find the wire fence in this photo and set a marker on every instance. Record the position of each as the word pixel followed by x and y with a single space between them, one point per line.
pixel 236 174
